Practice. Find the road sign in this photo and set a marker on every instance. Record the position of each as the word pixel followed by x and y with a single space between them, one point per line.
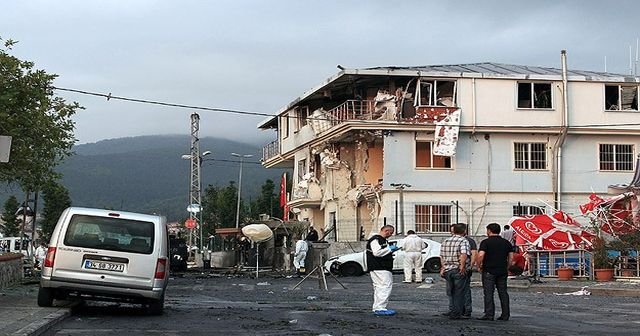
pixel 194 208
pixel 190 223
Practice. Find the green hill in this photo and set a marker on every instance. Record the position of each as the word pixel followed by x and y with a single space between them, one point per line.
pixel 146 173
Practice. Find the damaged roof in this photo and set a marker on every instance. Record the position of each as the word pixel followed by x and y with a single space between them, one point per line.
pixel 470 70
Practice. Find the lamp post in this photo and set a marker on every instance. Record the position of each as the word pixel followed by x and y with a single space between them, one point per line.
pixel 242 157
pixel 400 187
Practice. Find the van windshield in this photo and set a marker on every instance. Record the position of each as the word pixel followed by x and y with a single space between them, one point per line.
pixel 109 233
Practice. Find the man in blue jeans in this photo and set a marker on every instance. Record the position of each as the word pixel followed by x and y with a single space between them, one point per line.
pixel 494 257
pixel 453 257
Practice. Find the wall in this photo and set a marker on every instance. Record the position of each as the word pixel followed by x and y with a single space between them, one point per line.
pixel 11 269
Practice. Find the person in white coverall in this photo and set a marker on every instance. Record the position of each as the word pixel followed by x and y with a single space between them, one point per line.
pixel 379 258
pixel 300 255
pixel 412 248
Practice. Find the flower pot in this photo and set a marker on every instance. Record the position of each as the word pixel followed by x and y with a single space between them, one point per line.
pixel 628 273
pixel 604 274
pixel 565 274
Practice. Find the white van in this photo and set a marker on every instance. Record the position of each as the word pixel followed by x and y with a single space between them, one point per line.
pixel 107 255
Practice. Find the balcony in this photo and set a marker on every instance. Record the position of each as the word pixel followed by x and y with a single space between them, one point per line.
pixel 271 150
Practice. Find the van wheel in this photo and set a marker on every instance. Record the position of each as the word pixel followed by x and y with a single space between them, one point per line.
pixel 156 306
pixel 432 265
pixel 45 297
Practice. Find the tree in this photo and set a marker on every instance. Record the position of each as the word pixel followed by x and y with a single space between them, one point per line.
pixel 219 206
pixel 9 217
pixel 268 202
pixel 56 199
pixel 38 121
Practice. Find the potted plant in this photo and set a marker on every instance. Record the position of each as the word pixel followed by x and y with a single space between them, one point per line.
pixel 628 245
pixel 564 273
pixel 602 262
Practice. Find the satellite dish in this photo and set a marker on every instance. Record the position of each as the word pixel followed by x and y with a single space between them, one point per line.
pixel 257 232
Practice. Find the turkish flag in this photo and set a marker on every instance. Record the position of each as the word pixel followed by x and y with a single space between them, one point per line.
pixel 283 197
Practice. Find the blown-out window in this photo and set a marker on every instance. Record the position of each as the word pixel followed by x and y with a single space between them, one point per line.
pixel 426 159
pixel 534 95
pixel 435 93
pixel 527 210
pixel 621 97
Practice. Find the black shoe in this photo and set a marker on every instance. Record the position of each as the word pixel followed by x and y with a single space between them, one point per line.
pixel 503 318
pixel 485 318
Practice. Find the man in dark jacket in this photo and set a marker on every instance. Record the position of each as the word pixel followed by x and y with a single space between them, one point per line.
pixel 494 257
pixel 379 260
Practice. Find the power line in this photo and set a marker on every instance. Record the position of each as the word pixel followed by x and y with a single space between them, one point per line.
pixel 109 96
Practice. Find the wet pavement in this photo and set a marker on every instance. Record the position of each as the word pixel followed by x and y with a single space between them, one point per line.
pixel 211 303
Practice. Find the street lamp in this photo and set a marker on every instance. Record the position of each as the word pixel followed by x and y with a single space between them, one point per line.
pixel 400 187
pixel 242 157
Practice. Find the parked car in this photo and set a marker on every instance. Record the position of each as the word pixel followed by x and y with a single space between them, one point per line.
pixel 107 255
pixel 353 263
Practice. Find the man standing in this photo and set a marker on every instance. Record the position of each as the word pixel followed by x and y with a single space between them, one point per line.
pixel 509 235
pixel 494 258
pixel 412 247
pixel 453 257
pixel 40 255
pixel 472 259
pixel 379 260
pixel 300 255
pixel 313 235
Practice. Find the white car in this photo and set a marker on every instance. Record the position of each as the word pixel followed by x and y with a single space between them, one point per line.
pixel 353 263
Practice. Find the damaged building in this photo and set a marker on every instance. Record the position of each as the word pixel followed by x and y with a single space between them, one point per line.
pixel 423 147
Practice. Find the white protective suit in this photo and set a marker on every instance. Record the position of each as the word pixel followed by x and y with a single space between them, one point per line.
pixel 301 254
pixel 382 280
pixel 413 246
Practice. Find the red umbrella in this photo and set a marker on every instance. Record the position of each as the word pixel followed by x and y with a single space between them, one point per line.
pixel 556 232
pixel 614 214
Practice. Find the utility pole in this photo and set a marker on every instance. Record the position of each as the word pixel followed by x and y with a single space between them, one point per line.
pixel 194 184
pixel 400 187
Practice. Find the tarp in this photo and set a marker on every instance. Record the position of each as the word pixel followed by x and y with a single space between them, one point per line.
pixel 551 232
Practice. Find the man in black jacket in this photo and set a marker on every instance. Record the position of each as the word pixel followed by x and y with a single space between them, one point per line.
pixel 379 260
pixel 494 258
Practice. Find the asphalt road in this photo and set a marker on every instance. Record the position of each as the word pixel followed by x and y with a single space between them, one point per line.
pixel 212 305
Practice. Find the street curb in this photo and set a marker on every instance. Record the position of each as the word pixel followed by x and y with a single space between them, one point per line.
pixel 40 327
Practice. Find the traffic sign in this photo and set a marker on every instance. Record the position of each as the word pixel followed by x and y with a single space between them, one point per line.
pixel 194 208
pixel 190 223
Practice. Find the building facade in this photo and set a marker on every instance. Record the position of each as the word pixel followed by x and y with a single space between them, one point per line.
pixel 423 147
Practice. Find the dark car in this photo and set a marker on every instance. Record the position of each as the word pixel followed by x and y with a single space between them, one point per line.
pixel 178 254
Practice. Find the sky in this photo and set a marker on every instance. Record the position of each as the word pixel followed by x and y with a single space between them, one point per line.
pixel 258 56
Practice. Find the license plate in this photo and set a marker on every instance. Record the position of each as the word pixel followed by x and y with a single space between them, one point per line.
pixel 103 266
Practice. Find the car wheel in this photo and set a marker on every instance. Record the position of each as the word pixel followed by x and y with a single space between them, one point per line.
pixel 432 265
pixel 45 297
pixel 156 306
pixel 350 269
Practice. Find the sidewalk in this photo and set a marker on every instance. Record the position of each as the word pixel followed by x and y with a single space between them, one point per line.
pixel 21 316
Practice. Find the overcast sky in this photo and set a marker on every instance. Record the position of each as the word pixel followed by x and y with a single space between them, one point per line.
pixel 259 55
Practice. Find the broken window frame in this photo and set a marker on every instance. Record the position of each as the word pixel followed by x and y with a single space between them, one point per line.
pixel 284 125
pixel 616 157
pixel 435 96
pixel 433 218
pixel 433 161
pixel 534 92
pixel 527 210
pixel 302 116
pixel 530 156
pixel 614 97
pixel 301 169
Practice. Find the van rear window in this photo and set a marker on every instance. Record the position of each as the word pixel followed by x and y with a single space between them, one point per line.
pixel 106 233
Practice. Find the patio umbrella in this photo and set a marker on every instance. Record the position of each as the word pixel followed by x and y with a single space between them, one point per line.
pixel 551 232
pixel 614 215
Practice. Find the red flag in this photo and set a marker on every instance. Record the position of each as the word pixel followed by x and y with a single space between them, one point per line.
pixel 283 190
pixel 284 198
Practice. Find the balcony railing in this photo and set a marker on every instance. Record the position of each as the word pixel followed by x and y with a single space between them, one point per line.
pixel 352 110
pixel 271 150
